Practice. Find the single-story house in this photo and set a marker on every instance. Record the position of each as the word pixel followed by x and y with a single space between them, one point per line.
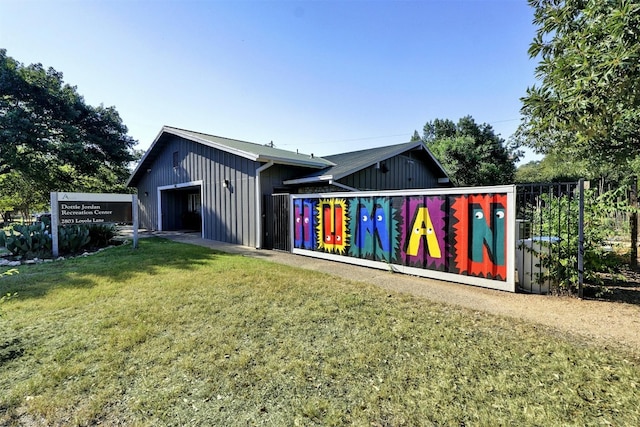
pixel 194 181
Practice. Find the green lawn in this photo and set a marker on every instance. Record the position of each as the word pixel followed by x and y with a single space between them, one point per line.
pixel 175 334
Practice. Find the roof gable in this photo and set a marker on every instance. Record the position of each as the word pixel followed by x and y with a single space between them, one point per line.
pixel 249 150
pixel 348 163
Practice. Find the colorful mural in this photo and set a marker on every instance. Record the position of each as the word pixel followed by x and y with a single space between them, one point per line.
pixel 460 234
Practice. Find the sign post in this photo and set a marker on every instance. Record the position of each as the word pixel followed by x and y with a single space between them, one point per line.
pixel 92 208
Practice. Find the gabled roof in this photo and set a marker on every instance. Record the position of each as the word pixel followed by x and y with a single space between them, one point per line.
pixel 249 150
pixel 348 163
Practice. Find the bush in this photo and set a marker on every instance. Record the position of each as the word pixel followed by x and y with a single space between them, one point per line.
pixel 100 235
pixel 73 238
pixel 559 218
pixel 34 241
pixel 27 241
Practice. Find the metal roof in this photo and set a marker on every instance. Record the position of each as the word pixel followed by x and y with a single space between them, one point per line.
pixel 249 150
pixel 347 163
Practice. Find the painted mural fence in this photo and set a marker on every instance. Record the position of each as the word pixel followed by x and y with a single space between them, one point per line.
pixel 463 235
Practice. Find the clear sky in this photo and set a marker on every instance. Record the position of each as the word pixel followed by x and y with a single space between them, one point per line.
pixel 319 76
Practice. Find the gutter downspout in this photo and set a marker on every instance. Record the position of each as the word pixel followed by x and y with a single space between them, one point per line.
pixel 346 187
pixel 259 203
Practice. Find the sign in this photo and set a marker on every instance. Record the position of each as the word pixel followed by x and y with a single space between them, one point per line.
pixel 92 208
pixel 85 212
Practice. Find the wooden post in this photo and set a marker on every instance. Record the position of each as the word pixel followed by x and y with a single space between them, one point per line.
pixel 633 219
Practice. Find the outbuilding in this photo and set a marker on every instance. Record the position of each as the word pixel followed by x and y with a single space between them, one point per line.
pixel 222 187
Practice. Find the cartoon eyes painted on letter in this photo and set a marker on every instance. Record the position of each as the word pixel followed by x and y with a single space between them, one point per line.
pixel 418 230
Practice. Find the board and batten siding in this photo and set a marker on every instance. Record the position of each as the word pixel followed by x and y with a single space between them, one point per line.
pixel 229 213
pixel 403 172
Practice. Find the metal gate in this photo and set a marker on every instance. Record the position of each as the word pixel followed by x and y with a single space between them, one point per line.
pixel 276 222
pixel 550 236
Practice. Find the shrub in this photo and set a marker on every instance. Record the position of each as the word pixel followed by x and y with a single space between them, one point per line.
pixel 559 218
pixel 27 241
pixel 100 235
pixel 73 238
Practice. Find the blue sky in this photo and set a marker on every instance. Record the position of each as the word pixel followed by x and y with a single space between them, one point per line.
pixel 319 76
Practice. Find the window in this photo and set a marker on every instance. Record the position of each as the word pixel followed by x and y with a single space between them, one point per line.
pixel 176 159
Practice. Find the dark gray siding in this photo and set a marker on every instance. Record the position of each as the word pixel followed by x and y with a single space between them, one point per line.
pixel 229 213
pixel 404 171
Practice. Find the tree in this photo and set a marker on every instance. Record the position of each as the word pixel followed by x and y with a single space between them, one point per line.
pixel 552 168
pixel 52 138
pixel 587 105
pixel 21 194
pixel 471 154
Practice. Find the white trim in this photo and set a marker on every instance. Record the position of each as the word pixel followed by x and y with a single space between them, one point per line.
pixel 344 187
pixel 417 192
pixel 93 197
pixel 162 188
pixel 259 203
pixel 188 135
pixel 511 239
pixel 308 180
pixel 297 162
pixel 507 285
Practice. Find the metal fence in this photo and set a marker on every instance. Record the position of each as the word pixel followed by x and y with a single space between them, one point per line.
pixel 550 236
pixel 276 222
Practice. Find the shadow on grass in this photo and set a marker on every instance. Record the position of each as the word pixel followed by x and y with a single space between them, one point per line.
pixel 117 264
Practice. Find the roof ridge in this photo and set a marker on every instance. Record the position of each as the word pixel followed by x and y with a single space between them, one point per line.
pixel 375 148
pixel 220 137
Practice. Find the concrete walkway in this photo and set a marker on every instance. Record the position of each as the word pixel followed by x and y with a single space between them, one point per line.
pixel 603 323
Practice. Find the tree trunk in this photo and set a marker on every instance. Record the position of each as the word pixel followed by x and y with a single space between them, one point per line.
pixel 633 219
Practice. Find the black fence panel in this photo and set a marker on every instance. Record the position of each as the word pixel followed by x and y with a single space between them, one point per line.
pixel 549 229
pixel 276 222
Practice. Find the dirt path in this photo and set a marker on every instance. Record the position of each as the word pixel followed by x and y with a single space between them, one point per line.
pixel 606 323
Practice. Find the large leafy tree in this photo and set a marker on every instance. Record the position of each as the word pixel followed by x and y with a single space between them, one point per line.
pixel 52 139
pixel 587 103
pixel 472 154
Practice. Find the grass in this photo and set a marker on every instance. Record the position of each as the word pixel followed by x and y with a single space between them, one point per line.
pixel 175 334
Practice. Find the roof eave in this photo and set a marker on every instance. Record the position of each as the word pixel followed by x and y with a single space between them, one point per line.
pixel 310 180
pixel 144 157
pixel 222 147
pixel 295 162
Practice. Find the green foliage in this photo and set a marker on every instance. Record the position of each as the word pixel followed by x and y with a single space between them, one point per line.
pixel 34 241
pixel 559 217
pixel 552 168
pixel 53 139
pixel 587 105
pixel 100 235
pixel 27 241
pixel 471 154
pixel 73 238
pixel 20 193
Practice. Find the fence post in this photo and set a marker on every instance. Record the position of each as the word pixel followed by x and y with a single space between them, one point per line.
pixel 633 219
pixel 581 238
